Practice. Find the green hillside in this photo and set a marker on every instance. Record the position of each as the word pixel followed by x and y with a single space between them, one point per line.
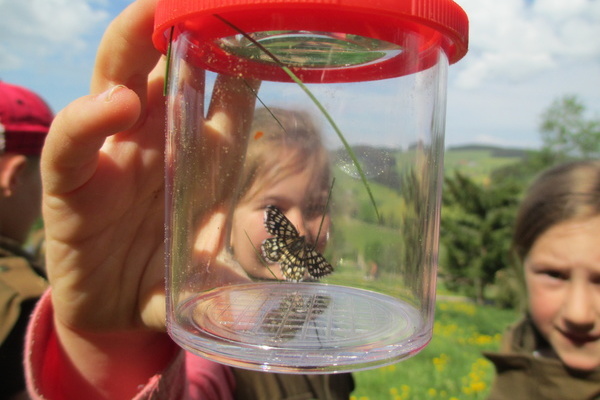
pixel 475 161
pixel 357 232
pixel 479 161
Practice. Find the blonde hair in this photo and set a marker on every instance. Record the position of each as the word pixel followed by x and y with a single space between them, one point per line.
pixel 276 133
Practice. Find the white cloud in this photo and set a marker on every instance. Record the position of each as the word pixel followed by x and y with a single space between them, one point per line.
pixel 38 29
pixel 512 40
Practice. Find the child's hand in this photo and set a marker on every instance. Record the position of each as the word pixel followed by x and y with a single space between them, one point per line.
pixel 103 175
pixel 102 169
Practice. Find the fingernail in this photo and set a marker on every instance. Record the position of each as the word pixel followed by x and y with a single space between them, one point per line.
pixel 107 95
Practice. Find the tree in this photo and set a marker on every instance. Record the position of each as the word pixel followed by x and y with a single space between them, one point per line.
pixel 476 231
pixel 566 135
pixel 567 132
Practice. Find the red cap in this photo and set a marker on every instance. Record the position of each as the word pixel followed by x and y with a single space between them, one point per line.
pixel 437 23
pixel 24 120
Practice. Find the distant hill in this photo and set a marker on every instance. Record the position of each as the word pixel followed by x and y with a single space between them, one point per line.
pixel 495 151
pixel 384 165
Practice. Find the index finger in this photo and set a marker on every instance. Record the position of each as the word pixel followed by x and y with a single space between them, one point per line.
pixel 126 54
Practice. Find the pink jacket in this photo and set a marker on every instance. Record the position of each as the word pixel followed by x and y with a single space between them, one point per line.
pixel 186 377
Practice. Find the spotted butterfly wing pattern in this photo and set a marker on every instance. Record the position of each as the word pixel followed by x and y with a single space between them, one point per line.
pixel 295 256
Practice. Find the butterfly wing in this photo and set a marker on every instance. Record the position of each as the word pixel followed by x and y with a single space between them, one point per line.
pixel 272 249
pixel 278 225
pixel 317 265
pixel 292 260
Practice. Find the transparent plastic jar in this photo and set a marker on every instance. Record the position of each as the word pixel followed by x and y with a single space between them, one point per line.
pixel 304 158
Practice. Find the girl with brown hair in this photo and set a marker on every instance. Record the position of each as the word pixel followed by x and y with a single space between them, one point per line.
pixel 554 352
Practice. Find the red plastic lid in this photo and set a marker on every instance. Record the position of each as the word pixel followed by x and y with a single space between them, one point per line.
pixel 437 24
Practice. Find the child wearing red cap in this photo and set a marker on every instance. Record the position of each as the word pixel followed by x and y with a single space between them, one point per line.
pixel 24 122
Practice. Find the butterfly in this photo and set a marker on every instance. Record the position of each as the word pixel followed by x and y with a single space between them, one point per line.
pixel 295 256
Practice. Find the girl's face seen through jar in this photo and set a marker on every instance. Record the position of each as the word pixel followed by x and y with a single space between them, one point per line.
pixel 302 202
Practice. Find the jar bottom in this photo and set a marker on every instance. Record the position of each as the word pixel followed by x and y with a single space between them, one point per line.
pixel 299 327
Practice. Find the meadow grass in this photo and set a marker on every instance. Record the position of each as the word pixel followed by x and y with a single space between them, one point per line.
pixel 451 367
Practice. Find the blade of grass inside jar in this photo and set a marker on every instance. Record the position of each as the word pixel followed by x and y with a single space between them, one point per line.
pixel 260 256
pixel 306 90
pixel 168 67
pixel 324 213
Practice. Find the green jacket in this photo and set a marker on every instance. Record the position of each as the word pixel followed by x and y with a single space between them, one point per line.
pixel 521 375
pixel 255 385
pixel 21 284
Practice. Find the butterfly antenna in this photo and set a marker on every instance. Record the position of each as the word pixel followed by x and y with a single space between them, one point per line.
pixel 255 92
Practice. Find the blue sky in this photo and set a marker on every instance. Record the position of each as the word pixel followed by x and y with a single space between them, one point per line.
pixel 523 55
